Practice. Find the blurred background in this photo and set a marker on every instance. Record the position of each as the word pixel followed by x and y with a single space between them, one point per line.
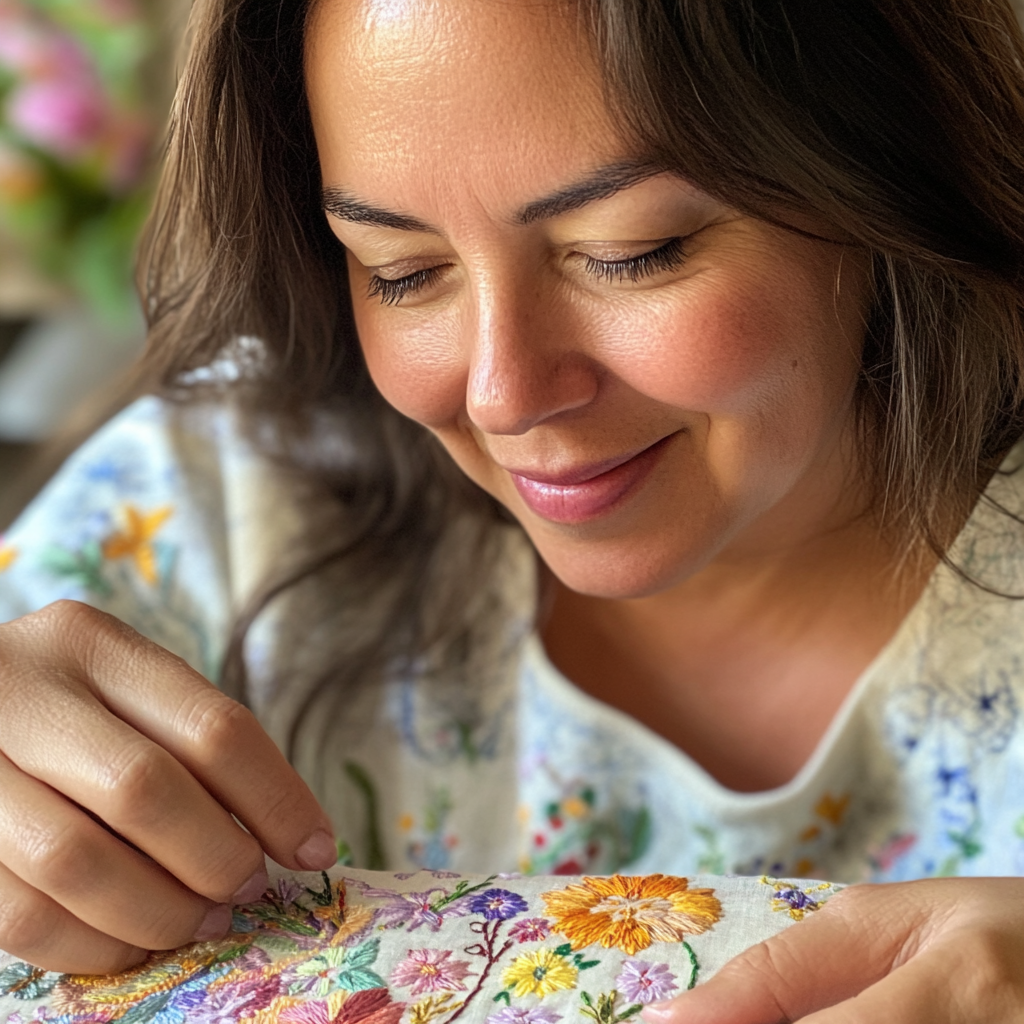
pixel 85 86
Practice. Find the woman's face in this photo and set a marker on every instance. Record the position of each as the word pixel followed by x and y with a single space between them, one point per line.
pixel 646 378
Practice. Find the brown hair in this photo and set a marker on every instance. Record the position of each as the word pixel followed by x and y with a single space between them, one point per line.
pixel 898 122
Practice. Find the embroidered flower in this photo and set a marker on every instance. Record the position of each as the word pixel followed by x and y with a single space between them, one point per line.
pixel 797 902
pixel 135 541
pixel 8 555
pixel 234 1001
pixel 371 1006
pixel 498 904
pixel 23 981
pixel 429 970
pixel 411 909
pixel 540 973
pixel 524 1015
pixel 631 912
pixel 643 982
pixel 337 967
pixel 530 929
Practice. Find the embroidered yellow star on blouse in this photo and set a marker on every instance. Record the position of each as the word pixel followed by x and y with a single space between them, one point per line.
pixel 7 557
pixel 136 540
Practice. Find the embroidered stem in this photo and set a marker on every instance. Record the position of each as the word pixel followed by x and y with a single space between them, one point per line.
pixel 482 949
pixel 694 965
pixel 374 845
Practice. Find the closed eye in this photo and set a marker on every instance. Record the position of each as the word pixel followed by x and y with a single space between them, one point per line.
pixel 392 291
pixel 669 256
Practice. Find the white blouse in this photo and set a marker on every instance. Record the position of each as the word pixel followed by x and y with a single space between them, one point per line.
pixel 167 519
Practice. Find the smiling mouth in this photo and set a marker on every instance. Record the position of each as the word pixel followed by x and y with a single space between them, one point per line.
pixel 588 492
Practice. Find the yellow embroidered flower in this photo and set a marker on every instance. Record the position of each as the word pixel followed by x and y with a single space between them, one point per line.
pixel 631 912
pixel 539 973
pixel 7 557
pixel 136 540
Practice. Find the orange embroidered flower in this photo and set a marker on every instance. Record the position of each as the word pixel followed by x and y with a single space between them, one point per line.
pixel 136 540
pixel 631 912
pixel 833 808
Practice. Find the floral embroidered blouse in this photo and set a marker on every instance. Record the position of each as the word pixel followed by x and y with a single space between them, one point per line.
pixel 167 519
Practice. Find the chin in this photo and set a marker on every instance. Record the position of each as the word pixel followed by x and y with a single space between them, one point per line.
pixel 629 571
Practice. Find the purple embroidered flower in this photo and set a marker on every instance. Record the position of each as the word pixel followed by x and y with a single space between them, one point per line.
pixel 497 904
pixel 430 970
pixel 796 899
pixel 238 1000
pixel 524 1015
pixel 412 909
pixel 643 982
pixel 530 929
pixel 289 890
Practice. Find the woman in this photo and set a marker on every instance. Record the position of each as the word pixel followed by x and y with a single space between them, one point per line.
pixel 718 310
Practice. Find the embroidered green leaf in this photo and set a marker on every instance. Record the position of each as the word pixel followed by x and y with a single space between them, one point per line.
pixel 364 955
pixel 359 980
pixel 564 950
pixel 325 897
pixel 585 965
pixel 503 997
pixel 148 1010
pixel 276 945
pixel 274 916
pixel 84 566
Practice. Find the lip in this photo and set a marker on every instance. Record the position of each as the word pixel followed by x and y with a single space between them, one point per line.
pixel 587 492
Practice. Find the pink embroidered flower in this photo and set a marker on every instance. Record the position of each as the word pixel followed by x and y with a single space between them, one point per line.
pixel 643 982
pixel 524 1015
pixel 429 970
pixel 531 929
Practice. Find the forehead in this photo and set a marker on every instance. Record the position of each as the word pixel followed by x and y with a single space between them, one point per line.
pixel 481 90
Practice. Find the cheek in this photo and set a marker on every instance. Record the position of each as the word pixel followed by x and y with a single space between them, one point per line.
pixel 737 351
pixel 416 366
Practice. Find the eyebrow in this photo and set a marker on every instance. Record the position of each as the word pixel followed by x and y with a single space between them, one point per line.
pixel 600 184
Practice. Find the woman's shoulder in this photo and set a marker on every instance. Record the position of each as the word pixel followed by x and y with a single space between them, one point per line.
pixel 146 520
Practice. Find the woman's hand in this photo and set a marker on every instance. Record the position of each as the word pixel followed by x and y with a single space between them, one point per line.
pixel 929 952
pixel 120 770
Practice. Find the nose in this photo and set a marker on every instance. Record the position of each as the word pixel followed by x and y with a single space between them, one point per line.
pixel 526 365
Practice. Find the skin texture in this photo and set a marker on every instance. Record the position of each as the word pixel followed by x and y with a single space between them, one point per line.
pixel 743 568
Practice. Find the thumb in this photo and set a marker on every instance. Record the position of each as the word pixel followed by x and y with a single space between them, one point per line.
pixel 842 949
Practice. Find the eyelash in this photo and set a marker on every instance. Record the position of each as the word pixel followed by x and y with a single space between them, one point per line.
pixel 669 256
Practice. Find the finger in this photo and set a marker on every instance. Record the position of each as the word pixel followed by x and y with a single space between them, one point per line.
pixel 131 784
pixel 969 975
pixel 216 738
pixel 58 850
pixel 38 930
pixel 823 960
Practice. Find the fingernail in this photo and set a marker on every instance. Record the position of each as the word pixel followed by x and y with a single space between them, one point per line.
pixel 253 889
pixel 215 925
pixel 318 852
pixel 658 1012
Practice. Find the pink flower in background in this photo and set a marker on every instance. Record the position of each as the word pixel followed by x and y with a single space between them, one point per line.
pixel 65 116
pixel 31 48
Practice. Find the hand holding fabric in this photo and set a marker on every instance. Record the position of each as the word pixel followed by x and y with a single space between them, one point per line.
pixel 935 951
